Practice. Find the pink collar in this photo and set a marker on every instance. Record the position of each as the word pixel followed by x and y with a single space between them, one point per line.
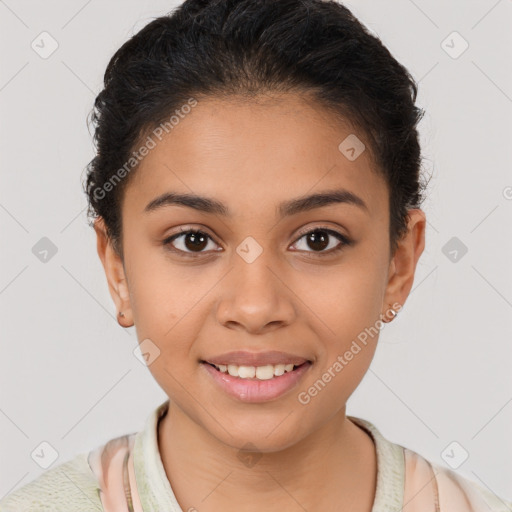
pixel 112 464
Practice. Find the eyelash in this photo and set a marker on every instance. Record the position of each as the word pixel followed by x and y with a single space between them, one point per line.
pixel 345 241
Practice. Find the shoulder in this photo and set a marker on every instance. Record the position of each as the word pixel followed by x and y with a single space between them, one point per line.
pixel 69 486
pixel 426 480
pixel 455 488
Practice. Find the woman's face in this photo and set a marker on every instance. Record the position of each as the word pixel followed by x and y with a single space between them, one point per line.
pixel 258 277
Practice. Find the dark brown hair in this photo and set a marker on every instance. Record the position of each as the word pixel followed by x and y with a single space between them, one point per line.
pixel 243 48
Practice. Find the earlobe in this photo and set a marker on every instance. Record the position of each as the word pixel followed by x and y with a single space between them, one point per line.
pixel 115 274
pixel 403 264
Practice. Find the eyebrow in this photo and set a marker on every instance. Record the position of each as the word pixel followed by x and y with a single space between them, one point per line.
pixel 285 209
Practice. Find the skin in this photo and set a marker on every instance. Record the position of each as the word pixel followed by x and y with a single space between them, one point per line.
pixel 252 155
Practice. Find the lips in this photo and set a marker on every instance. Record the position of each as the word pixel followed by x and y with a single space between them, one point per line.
pixel 255 390
pixel 245 358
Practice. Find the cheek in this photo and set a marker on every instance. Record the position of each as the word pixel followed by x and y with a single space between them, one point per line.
pixel 347 305
pixel 158 288
pixel 346 299
pixel 163 299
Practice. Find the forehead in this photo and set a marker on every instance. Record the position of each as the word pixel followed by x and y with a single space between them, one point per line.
pixel 249 152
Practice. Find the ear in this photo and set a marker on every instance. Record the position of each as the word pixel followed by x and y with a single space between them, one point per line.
pixel 403 264
pixel 115 273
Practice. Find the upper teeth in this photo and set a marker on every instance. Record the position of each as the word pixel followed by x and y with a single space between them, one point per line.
pixel 260 372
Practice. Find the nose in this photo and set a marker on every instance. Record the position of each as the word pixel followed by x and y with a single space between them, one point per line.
pixel 255 296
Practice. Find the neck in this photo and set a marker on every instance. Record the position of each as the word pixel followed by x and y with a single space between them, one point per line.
pixel 206 474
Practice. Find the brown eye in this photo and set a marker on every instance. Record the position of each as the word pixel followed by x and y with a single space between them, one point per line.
pixel 320 239
pixel 317 240
pixel 191 241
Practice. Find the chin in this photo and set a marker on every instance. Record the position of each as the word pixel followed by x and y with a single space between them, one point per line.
pixel 274 434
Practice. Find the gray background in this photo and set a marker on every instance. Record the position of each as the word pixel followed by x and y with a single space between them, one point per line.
pixel 442 369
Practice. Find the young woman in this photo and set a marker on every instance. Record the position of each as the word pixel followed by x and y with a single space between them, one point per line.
pixel 256 198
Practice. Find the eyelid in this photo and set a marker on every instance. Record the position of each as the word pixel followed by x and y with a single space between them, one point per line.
pixel 329 229
pixel 188 229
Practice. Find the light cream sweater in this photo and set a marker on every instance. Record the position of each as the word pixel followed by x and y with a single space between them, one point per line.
pixel 127 475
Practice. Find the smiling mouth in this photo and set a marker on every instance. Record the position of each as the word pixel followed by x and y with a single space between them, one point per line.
pixel 265 372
